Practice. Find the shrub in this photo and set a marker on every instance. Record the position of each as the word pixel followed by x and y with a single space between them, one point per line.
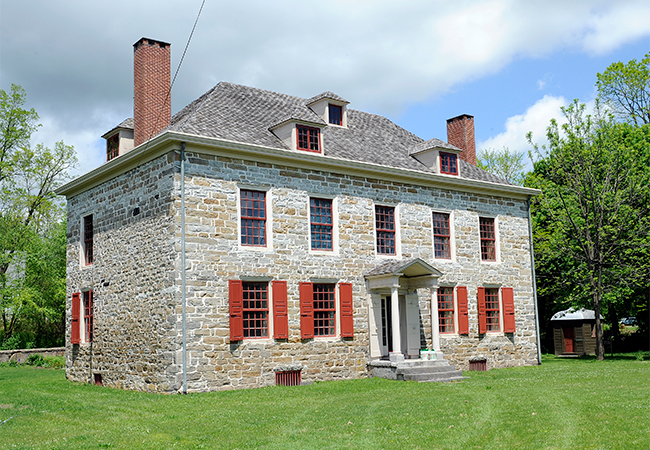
pixel 35 360
pixel 54 362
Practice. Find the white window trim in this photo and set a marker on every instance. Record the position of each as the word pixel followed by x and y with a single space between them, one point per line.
pixel 268 201
pixel 497 239
pixel 455 298
pixel 398 234
pixel 82 244
pixel 335 226
pixel 269 304
pixel 439 163
pixel 337 310
pixel 500 295
pixel 452 237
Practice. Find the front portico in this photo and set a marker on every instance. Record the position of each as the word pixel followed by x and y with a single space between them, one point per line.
pixel 394 308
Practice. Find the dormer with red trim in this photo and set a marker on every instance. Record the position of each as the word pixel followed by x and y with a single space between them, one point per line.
pixel 331 108
pixel 119 140
pixel 438 156
pixel 300 133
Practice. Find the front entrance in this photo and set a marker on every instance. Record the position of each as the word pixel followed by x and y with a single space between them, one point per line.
pixel 569 338
pixel 386 330
pixel 395 322
pixel 386 326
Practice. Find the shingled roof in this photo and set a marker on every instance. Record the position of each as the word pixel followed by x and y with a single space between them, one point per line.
pixel 245 114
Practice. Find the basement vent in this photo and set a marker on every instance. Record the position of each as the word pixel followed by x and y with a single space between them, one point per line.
pixel 288 378
pixel 479 365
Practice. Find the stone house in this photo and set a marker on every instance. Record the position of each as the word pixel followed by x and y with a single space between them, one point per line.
pixel 257 238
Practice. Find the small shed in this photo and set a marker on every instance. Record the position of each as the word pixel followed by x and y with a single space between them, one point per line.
pixel 574 332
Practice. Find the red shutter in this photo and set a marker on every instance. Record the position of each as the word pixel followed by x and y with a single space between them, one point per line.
pixel 482 322
pixel 74 335
pixel 236 299
pixel 280 320
pixel 463 310
pixel 508 297
pixel 306 310
pixel 347 319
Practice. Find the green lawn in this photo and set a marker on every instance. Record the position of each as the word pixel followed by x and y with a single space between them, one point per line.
pixel 560 404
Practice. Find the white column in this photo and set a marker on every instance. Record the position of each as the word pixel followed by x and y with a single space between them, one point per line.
pixel 435 328
pixel 397 354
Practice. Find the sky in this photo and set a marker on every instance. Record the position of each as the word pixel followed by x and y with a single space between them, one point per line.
pixel 511 64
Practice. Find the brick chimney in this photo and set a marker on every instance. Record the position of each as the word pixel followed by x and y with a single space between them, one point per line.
pixel 151 82
pixel 460 133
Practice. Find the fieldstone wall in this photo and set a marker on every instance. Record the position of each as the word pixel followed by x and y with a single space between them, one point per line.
pixel 132 279
pixel 216 257
pixel 136 276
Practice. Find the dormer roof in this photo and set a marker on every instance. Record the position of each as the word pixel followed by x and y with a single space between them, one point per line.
pixel 305 116
pixel 126 124
pixel 433 144
pixel 327 95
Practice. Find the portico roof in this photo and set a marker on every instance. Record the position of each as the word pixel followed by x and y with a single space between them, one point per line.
pixel 409 268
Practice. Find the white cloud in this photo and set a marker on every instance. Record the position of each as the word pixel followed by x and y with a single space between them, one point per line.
pixel 383 55
pixel 535 119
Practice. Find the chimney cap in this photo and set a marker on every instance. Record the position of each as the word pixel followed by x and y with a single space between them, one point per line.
pixel 150 41
pixel 462 116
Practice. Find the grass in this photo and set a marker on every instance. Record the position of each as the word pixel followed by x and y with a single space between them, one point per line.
pixel 561 404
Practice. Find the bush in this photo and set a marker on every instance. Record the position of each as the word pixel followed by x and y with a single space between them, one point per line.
pixel 54 362
pixel 35 360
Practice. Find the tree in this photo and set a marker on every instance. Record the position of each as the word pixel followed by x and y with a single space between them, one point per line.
pixel 503 163
pixel 594 223
pixel 626 89
pixel 29 214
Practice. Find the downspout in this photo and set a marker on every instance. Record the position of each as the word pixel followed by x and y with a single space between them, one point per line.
pixel 183 298
pixel 532 268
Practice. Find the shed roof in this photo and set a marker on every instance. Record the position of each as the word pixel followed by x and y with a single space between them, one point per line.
pixel 573 314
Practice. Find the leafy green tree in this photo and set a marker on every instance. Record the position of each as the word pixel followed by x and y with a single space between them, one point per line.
pixel 30 216
pixel 504 163
pixel 592 219
pixel 626 89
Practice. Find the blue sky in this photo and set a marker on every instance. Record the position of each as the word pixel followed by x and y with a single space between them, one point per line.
pixel 509 63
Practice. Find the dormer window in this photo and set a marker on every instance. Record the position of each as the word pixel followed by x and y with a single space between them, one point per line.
pixel 308 138
pixel 335 114
pixel 448 163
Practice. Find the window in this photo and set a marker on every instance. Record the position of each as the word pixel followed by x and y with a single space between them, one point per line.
pixel 88 316
pixel 255 308
pixel 318 310
pixel 321 223
pixel 112 147
pixel 324 310
pixel 385 227
pixel 448 163
pixel 249 310
pixel 88 240
pixel 446 309
pixel 441 236
pixel 492 302
pixel 253 218
pixel 308 138
pixel 335 114
pixel 488 241
pixel 492 309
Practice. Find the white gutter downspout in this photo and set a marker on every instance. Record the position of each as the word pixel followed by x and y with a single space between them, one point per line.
pixel 532 268
pixel 183 299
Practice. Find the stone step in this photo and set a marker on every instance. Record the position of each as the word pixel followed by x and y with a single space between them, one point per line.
pixel 453 375
pixel 425 369
pixel 415 370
